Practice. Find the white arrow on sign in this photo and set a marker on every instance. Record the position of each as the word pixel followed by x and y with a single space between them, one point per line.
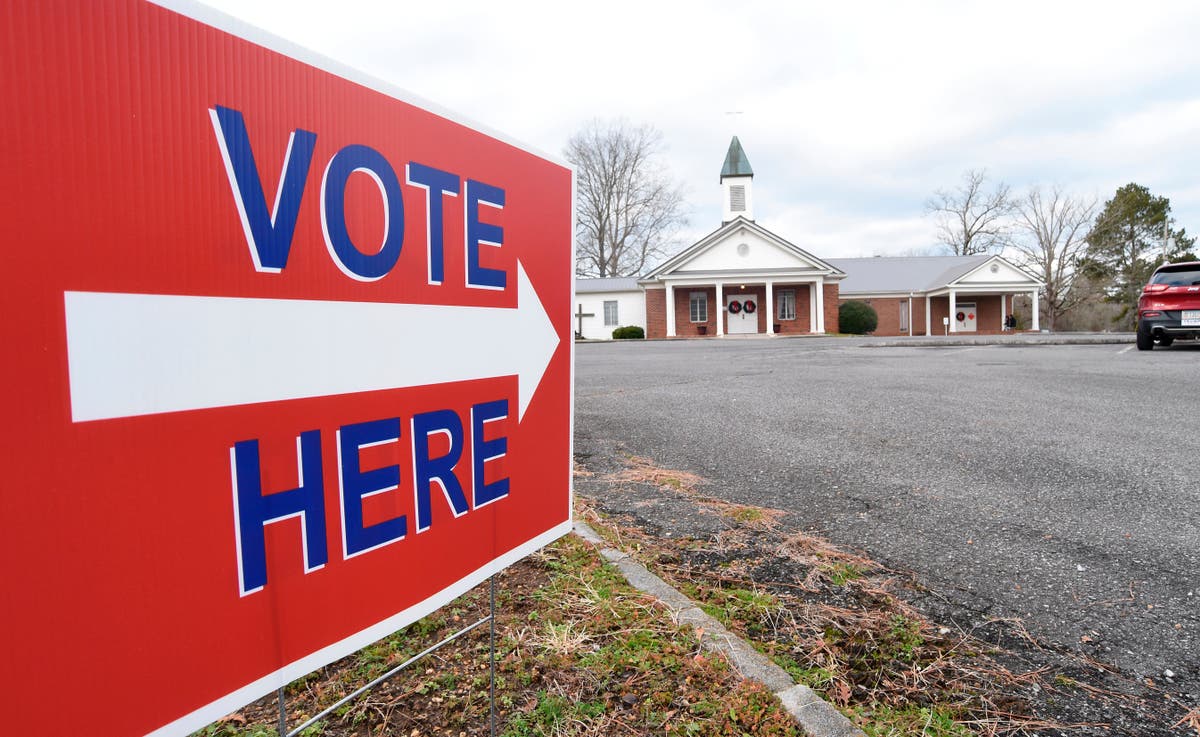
pixel 142 354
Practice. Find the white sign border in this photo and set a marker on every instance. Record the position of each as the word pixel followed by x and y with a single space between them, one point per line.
pixel 234 700
pixel 237 27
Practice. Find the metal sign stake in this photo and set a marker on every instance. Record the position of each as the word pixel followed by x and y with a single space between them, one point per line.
pixel 282 714
pixel 492 660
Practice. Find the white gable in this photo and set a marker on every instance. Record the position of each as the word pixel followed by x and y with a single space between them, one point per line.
pixel 996 271
pixel 744 250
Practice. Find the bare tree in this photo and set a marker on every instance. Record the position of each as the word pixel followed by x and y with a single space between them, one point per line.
pixel 627 205
pixel 972 219
pixel 1053 228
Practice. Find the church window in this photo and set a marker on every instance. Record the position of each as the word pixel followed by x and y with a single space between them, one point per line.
pixel 737 198
pixel 787 304
pixel 610 313
pixel 698 306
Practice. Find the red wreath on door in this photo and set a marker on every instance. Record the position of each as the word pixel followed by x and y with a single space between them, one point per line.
pixel 960 317
pixel 750 307
pixel 735 307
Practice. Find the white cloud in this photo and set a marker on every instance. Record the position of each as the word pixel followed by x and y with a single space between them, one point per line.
pixel 851 114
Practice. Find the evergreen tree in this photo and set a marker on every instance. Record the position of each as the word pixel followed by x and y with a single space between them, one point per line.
pixel 1128 240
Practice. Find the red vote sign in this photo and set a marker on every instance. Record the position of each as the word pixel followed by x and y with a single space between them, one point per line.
pixel 287 363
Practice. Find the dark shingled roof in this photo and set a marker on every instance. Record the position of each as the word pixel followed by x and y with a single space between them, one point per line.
pixel 736 163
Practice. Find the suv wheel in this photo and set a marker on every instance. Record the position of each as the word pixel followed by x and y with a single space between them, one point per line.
pixel 1145 340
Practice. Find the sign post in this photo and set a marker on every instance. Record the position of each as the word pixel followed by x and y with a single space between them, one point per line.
pixel 288 363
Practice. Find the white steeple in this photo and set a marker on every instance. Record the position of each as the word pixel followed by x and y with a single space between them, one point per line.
pixel 737 179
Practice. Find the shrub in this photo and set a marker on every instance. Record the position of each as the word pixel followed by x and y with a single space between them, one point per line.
pixel 857 318
pixel 634 332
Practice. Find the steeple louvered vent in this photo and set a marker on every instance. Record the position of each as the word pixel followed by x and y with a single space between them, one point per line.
pixel 737 198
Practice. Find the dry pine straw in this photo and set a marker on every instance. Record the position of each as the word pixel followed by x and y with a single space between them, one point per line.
pixel 834 620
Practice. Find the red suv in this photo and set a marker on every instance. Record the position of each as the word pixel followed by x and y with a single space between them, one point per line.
pixel 1169 307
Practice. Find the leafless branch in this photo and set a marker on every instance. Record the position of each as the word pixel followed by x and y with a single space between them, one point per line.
pixel 1052 232
pixel 627 207
pixel 970 218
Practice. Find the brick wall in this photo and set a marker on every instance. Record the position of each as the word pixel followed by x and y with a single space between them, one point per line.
pixel 987 314
pixel 656 313
pixel 918 316
pixel 683 320
pixel 987 309
pixel 803 321
pixel 831 307
pixel 656 309
pixel 888 312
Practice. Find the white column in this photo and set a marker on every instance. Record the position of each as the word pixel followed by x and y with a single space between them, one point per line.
pixel 812 307
pixel 1003 312
pixel 670 310
pixel 910 315
pixel 820 295
pixel 720 307
pixel 770 307
pixel 953 308
pixel 1036 309
pixel 928 319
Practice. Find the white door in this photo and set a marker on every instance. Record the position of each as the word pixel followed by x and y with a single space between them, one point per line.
pixel 964 317
pixel 741 314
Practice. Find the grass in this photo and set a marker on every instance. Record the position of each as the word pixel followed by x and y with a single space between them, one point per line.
pixel 579 652
pixel 884 721
pixel 841 574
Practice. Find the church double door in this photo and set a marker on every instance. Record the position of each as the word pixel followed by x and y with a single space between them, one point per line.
pixel 741 314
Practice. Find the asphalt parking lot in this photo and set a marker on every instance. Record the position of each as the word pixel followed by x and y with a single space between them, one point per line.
pixel 1052 483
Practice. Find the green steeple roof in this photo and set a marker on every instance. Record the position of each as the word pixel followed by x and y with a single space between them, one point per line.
pixel 736 163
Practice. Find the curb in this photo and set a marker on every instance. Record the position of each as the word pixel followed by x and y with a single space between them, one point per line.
pixel 814 715
pixel 898 341
pixel 1033 339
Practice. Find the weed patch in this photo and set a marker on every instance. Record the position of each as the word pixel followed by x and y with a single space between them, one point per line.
pixel 579 652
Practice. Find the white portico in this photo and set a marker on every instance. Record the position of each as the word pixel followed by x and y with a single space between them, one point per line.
pixel 741 278
pixel 995 277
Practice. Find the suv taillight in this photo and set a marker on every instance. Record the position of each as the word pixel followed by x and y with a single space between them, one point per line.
pixel 1155 288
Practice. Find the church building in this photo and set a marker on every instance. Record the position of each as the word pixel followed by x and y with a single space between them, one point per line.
pixel 744 279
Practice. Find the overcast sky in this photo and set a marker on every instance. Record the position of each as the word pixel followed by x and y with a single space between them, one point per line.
pixel 851 114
